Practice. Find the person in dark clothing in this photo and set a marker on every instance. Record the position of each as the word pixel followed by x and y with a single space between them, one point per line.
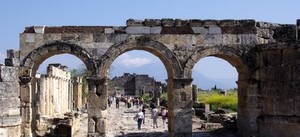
pixel 117 102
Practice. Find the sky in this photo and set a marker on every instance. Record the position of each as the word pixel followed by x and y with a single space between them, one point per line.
pixel 16 15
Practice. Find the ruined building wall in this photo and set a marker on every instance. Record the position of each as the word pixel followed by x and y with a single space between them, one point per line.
pixel 77 92
pixel 279 73
pixel 10 119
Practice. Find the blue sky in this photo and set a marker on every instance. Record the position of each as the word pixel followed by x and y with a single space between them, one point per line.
pixel 16 15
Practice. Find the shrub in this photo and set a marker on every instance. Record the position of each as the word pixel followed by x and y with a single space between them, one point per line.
pixel 217 100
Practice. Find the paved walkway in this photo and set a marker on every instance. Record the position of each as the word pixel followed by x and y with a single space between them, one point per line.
pixel 121 124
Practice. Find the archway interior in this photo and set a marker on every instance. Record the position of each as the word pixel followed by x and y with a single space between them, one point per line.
pixel 59 91
pixel 136 75
pixel 214 82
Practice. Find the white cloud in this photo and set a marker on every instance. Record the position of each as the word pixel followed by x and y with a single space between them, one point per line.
pixel 128 61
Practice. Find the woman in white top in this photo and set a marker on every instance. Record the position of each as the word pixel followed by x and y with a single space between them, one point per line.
pixel 139 116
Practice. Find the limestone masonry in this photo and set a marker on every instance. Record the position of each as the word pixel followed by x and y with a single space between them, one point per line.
pixel 266 56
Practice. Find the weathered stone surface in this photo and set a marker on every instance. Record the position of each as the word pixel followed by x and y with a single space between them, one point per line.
pixel 196 23
pixel 285 33
pixel 208 23
pixel 155 30
pixel 12 62
pixel 214 30
pixel 109 30
pixel 133 22
pixel 181 23
pixel 9 74
pixel 152 22
pixel 228 23
pixel 138 30
pixel 177 30
pixel 168 22
pixel 200 30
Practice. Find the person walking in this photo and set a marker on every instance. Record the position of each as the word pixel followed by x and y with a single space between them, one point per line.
pixel 164 116
pixel 139 117
pixel 154 116
pixel 117 102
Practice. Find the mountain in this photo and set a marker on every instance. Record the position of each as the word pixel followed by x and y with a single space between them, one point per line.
pixel 158 71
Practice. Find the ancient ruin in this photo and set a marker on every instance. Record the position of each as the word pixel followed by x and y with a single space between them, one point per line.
pixel 137 85
pixel 266 56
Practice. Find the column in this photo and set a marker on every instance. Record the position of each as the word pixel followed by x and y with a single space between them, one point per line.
pixel 180 107
pixel 42 95
pixel 26 105
pixel 97 106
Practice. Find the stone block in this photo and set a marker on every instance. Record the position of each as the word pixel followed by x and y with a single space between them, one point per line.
pixel 289 56
pixel 133 22
pixel 213 40
pixel 39 29
pixel 268 106
pixel 228 23
pixel 29 37
pixel 283 106
pixel 168 22
pixel 155 30
pixel 248 39
pixel 246 23
pixel 12 62
pixel 285 33
pixel 267 25
pixel 50 37
pixel 109 31
pixel 196 23
pixel 12 54
pixel 181 23
pixel 296 73
pixel 208 23
pixel 152 22
pixel 138 30
pixel 177 30
pixel 214 30
pixel 200 30
pixel 296 106
pixel 9 74
pixel 284 130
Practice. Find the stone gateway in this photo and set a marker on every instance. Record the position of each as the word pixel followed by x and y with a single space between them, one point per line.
pixel 266 56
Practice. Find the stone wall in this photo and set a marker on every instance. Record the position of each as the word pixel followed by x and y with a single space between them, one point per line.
pixel 279 71
pixel 10 117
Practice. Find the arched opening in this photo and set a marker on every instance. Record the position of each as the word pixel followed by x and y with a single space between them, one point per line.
pixel 169 61
pixel 60 90
pixel 234 58
pixel 215 104
pixel 56 97
pixel 137 82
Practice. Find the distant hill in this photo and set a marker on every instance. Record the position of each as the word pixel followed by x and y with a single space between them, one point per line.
pixel 157 71
pixel 204 82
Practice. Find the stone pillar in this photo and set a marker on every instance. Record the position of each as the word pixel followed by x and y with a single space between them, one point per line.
pixel 248 108
pixel 195 91
pixel 26 105
pixel 97 107
pixel 180 107
pixel 42 100
pixel 77 87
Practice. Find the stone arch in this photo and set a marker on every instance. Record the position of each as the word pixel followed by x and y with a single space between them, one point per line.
pixel 229 54
pixel 33 60
pixel 167 57
pixel 246 90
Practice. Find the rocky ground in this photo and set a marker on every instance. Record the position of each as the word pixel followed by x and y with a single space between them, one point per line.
pixel 122 124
